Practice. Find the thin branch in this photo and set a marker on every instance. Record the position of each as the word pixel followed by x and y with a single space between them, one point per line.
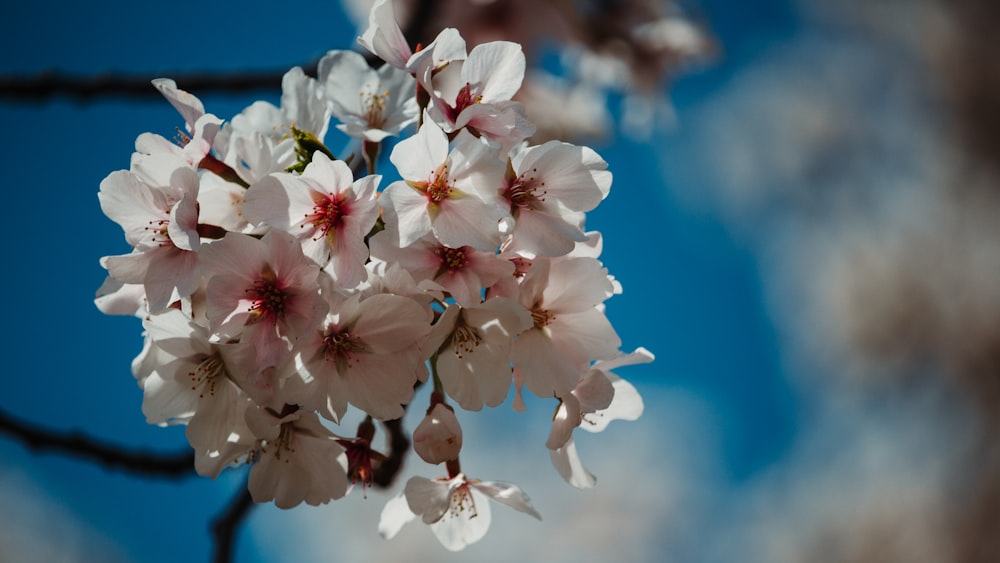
pixel 76 444
pixel 226 524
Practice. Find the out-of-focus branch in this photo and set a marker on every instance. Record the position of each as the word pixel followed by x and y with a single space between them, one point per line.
pixel 76 444
pixel 47 85
pixel 386 471
pixel 226 524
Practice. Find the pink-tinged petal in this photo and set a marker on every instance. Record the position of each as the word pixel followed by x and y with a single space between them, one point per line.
pixel 186 104
pixel 395 514
pixel 117 298
pixel 132 204
pixel 427 499
pixel 495 70
pixel 383 37
pixel 547 371
pixel 508 494
pixel 639 356
pixel 469 525
pixel 270 201
pixel 586 336
pixel 227 307
pixel 127 268
pixel 595 391
pixel 170 269
pixel 567 418
pixel 167 401
pixel 237 254
pixel 467 220
pixel 567 462
pixel 543 233
pixel 576 285
pixel 576 176
pixel 183 227
pixel 389 323
pixel 448 46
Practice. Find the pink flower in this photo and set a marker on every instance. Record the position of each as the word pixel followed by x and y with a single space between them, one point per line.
pixel 263 292
pixel 325 209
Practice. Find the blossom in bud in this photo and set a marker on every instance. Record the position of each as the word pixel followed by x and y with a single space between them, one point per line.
pixel 438 437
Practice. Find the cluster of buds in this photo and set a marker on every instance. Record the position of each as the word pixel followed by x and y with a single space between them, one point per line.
pixel 280 286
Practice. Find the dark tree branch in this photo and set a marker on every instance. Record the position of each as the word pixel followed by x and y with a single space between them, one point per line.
pixel 76 444
pixel 47 85
pixel 226 524
pixel 386 471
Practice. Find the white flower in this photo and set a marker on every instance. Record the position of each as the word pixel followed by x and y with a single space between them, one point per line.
pixel 447 193
pixel 457 509
pixel 366 353
pixel 570 329
pixel 473 345
pixel 599 398
pixel 299 461
pixel 547 189
pixel 161 224
pixel 371 104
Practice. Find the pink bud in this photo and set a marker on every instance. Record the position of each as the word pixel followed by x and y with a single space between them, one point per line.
pixel 438 438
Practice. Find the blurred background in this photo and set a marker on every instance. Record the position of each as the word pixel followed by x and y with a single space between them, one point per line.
pixel 803 218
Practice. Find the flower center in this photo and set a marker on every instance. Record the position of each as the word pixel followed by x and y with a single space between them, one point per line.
pixel 461 500
pixel 373 104
pixel 465 339
pixel 451 259
pixel 158 233
pixel 542 317
pixel 438 189
pixel 341 348
pixel 267 296
pixel 525 191
pixel 328 214
pixel 208 372
pixel 464 99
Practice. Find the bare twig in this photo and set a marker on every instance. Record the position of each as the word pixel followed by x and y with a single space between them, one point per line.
pixel 76 444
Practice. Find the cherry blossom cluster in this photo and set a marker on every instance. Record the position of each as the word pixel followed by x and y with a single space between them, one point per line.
pixel 280 285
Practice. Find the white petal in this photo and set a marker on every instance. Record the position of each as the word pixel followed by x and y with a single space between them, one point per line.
pixel 508 494
pixel 567 462
pixel 395 515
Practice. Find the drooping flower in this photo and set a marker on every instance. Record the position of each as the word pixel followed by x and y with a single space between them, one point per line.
pixel 600 397
pixel 298 461
pixel 438 437
pixel 456 509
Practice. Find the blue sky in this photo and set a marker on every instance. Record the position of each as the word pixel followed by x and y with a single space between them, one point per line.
pixel 721 409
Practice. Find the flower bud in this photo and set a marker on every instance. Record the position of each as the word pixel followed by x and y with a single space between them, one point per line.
pixel 438 437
